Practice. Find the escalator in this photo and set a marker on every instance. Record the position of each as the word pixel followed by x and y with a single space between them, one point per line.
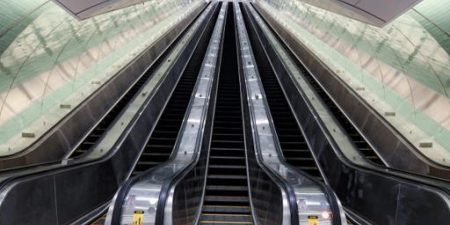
pixel 354 135
pixel 88 186
pixel 160 145
pixel 226 199
pixel 179 183
pixel 292 141
pixel 86 123
pixel 295 148
pixel 292 111
pixel 102 127
pixel 371 137
pixel 207 180
pixel 163 139
pixel 356 138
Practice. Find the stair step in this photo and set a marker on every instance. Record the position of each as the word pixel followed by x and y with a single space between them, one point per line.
pixel 226 209
pixel 208 218
pixel 226 188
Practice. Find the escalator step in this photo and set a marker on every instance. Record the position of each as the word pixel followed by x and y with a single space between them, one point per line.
pixel 224 199
pixel 207 218
pixel 147 163
pixel 228 188
pixel 226 209
pixel 227 177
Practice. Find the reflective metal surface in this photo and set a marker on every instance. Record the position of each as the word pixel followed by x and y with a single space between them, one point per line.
pixel 62 196
pixel 311 199
pixel 152 192
pixel 380 196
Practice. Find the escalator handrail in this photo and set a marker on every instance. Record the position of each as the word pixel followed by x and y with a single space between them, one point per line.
pixel 269 153
pixel 181 160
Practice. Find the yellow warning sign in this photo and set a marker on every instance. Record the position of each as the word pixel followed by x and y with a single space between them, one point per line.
pixel 313 220
pixel 138 217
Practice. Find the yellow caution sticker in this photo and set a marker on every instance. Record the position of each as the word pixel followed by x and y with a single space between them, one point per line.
pixel 313 220
pixel 138 217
